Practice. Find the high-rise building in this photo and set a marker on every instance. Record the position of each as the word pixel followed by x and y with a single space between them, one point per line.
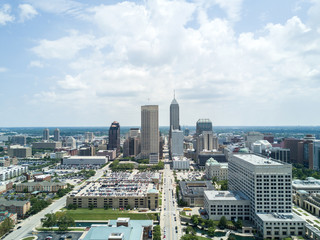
pixel 267 184
pixel 114 137
pixel 132 144
pixel 203 125
pixel 149 131
pixel 56 134
pixel 207 141
pixel 88 136
pixel 186 132
pixel 252 137
pixel 176 143
pixel 174 115
pixel 316 155
pixel 45 135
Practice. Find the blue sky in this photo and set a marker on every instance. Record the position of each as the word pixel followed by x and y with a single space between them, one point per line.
pixel 88 63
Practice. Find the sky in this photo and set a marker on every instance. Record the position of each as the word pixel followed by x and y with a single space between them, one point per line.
pixel 88 63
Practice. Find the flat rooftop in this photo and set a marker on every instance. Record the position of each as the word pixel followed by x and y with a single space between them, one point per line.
pixel 225 195
pixel 258 160
pixel 280 217
pixel 306 184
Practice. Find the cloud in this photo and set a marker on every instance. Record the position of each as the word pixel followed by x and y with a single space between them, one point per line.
pixel 63 48
pixel 5 16
pixel 36 64
pixel 27 12
pixel 3 69
pixel 138 51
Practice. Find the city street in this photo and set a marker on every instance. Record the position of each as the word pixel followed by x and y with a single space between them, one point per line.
pixel 169 219
pixel 29 224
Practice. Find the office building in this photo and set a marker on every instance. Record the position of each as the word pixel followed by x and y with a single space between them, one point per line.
pixel 206 141
pixel 114 137
pixel 281 154
pixel 71 143
pixel 47 145
pixel 18 207
pixel 132 144
pixel 267 184
pixel 88 136
pixel 310 185
pixel 45 134
pixel 316 155
pixel 174 115
pixel 231 204
pixel 19 151
pixel 176 143
pixel 186 132
pixel 203 125
pixel 149 131
pixel 85 160
pixel 21 140
pixel 120 229
pixel 181 163
pixel 110 154
pixel 87 151
pixel 192 192
pixel 292 144
pixel 7 173
pixel 214 169
pixel 252 137
pixel 56 135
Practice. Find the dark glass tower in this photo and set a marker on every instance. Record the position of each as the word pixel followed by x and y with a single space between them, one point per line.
pixel 114 136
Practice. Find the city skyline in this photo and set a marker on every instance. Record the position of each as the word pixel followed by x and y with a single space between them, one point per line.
pixel 238 63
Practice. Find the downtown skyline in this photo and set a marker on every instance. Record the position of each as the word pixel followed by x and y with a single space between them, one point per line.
pixel 87 63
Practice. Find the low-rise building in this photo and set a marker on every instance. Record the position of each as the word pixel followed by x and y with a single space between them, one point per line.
pixel 7 214
pixel 181 163
pixel 311 185
pixel 118 190
pixel 111 154
pixel 121 229
pixel 12 171
pixel 19 151
pixel 192 192
pixel 46 145
pixel 43 177
pixel 231 204
pixel 214 169
pixel 18 207
pixel 85 160
pixel 40 186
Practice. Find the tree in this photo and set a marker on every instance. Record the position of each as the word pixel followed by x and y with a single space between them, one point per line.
pixel 190 230
pixel 210 223
pixel 195 220
pixel 156 233
pixel 223 222
pixel 64 221
pixel 50 220
pixel 211 231
pixel 6 225
pixel 90 206
pixel 238 224
pixel 189 237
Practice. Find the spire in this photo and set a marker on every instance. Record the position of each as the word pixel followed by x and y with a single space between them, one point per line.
pixel 174 94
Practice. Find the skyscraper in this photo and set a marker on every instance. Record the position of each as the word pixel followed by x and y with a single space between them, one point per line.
pixel 149 131
pixel 174 115
pixel 114 136
pixel 203 125
pixel 45 134
pixel 56 136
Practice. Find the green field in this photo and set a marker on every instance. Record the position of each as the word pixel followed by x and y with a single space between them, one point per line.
pixel 101 214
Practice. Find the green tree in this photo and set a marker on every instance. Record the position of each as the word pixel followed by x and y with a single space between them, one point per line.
pixel 90 206
pixel 238 224
pixel 50 220
pixel 6 226
pixel 189 237
pixel 223 222
pixel 64 221
pixel 195 220
pixel 156 233
pixel 190 230
pixel 211 231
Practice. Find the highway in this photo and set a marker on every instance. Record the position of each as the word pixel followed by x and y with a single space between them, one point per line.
pixel 29 224
pixel 169 219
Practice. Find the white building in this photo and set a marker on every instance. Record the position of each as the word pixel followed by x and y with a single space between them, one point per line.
pixel 251 137
pixel 215 169
pixel 310 185
pixel 181 163
pixel 260 146
pixel 71 142
pixel 267 183
pixel 85 160
pixel 12 171
pixel 207 141
pixel 231 204
pixel 176 143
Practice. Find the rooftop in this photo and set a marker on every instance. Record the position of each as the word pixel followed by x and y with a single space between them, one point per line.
pixel 258 160
pixel 225 195
pixel 279 217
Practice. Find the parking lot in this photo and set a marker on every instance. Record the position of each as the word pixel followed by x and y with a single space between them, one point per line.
pixel 58 236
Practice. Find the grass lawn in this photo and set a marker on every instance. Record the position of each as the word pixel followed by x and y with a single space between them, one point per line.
pixel 305 214
pixel 28 238
pixel 300 210
pixel 317 221
pixel 101 214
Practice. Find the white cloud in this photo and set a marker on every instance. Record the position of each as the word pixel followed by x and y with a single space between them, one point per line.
pixel 3 69
pixel 57 6
pixel 27 12
pixel 63 48
pixel 5 15
pixel 135 52
pixel 37 64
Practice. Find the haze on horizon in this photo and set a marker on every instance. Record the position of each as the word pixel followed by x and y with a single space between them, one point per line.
pixel 88 63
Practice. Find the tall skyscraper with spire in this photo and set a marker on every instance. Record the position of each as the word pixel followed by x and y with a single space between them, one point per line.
pixel 174 114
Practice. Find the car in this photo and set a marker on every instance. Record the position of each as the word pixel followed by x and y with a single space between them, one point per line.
pixel 69 237
pixel 18 227
pixel 48 237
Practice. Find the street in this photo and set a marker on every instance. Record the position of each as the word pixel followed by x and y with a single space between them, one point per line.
pixel 29 224
pixel 169 219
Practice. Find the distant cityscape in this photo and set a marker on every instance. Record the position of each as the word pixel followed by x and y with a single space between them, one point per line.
pixel 168 182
